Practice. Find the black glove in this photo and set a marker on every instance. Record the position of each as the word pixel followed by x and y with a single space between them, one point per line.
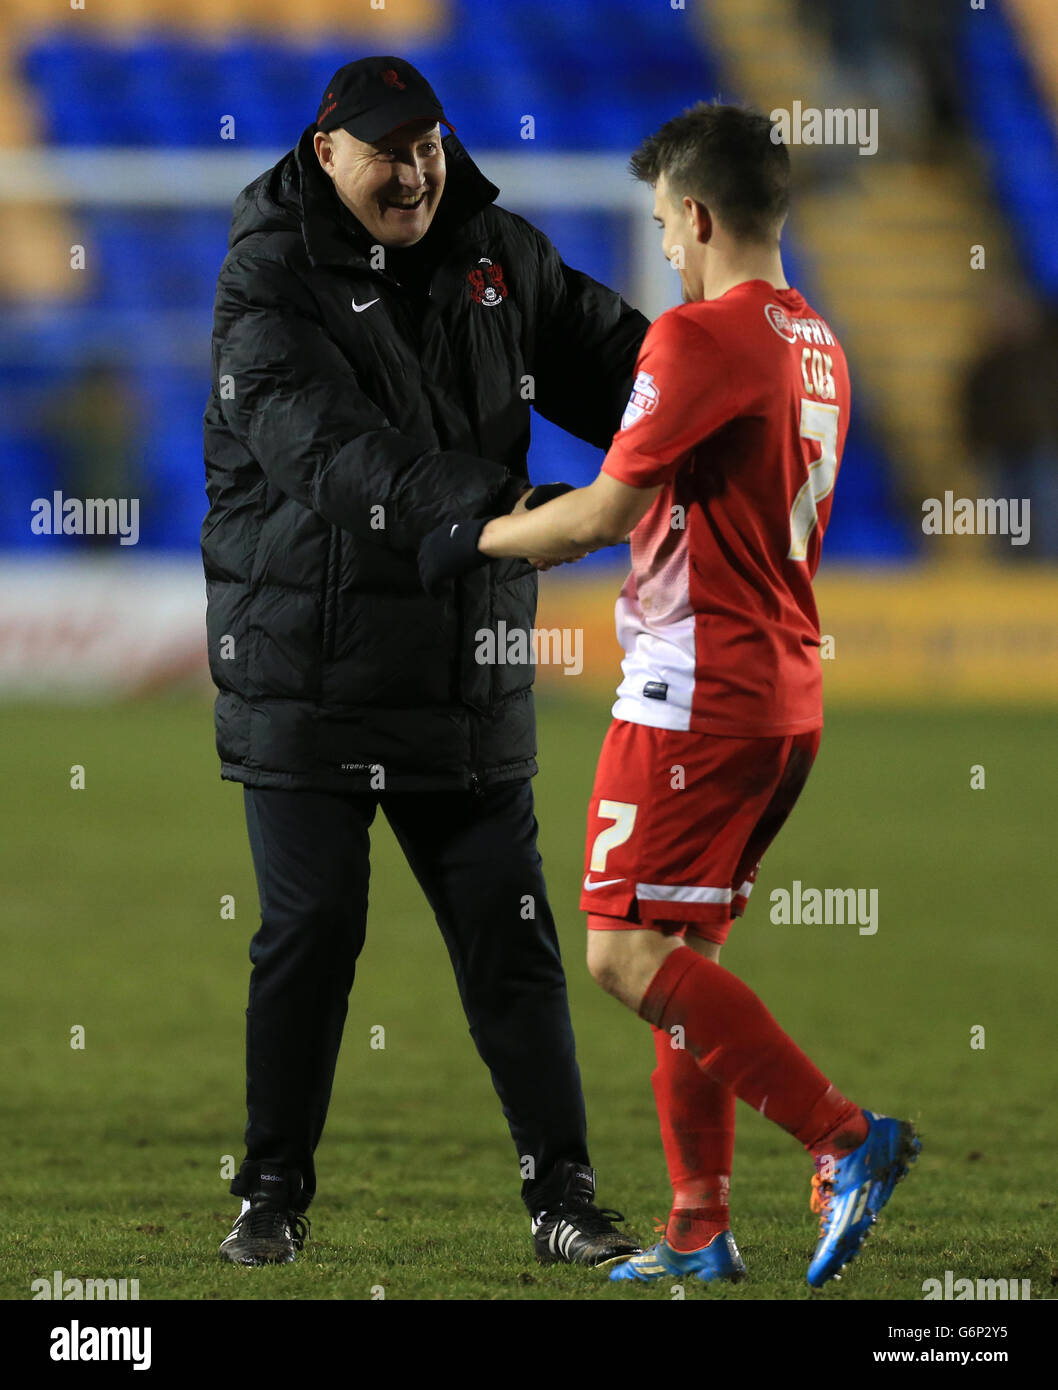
pixel 450 550
pixel 546 492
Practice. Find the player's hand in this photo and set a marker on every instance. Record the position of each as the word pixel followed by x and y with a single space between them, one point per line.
pixel 523 502
pixel 449 551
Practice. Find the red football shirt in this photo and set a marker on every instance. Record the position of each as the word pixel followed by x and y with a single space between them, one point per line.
pixel 740 409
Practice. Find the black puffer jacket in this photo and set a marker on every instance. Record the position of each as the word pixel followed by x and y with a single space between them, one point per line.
pixel 337 437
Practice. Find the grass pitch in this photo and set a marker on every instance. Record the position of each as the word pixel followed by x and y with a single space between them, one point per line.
pixel 112 1153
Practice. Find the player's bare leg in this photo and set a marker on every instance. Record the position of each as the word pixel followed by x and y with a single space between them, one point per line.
pixel 625 962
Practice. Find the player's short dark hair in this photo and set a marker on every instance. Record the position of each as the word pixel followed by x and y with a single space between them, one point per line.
pixel 725 158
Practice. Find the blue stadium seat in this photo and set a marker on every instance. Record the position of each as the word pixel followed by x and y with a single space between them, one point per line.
pixel 26 472
pixel 204 234
pixel 119 258
pixel 585 240
pixel 175 401
pixel 172 90
pixel 80 91
pixel 1018 136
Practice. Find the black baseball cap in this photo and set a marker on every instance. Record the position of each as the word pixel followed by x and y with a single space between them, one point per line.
pixel 373 96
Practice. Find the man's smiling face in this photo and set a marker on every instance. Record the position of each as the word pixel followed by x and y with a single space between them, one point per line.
pixel 392 185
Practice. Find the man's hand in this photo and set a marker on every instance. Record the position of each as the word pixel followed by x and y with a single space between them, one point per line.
pixel 546 492
pixel 570 523
pixel 449 551
pixel 537 496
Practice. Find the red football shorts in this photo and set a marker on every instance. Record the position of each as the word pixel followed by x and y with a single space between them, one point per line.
pixel 678 823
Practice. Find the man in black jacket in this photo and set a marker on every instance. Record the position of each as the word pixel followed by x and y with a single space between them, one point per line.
pixel 380 332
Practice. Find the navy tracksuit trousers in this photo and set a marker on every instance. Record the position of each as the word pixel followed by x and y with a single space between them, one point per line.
pixel 475 857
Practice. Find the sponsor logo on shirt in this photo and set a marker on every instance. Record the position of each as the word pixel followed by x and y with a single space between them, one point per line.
pixel 808 330
pixel 780 321
pixel 642 401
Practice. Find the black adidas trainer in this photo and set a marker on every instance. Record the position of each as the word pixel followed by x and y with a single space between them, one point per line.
pixel 570 1229
pixel 270 1231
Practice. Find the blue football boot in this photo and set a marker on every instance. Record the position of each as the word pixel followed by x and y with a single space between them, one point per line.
pixel 859 1185
pixel 718 1260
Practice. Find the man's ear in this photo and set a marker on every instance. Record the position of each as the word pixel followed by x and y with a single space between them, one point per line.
pixel 700 220
pixel 324 147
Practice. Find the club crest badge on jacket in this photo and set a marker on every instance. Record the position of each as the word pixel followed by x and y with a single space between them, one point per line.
pixel 486 283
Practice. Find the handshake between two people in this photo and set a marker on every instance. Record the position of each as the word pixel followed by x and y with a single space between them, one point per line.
pixel 551 525
pixel 454 548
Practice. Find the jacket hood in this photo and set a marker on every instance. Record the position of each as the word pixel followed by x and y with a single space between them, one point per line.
pixel 297 195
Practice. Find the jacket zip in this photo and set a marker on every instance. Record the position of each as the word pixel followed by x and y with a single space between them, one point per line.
pixel 472 714
pixel 330 593
pixel 476 785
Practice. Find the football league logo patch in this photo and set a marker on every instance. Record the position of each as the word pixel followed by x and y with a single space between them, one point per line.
pixel 642 401
pixel 487 284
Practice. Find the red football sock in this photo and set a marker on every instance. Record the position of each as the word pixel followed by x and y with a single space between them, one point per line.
pixel 735 1040
pixel 697 1118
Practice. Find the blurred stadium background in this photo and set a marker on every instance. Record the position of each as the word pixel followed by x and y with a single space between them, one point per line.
pixel 110 141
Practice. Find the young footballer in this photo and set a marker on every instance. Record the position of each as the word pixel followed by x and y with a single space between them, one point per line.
pixel 722 473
